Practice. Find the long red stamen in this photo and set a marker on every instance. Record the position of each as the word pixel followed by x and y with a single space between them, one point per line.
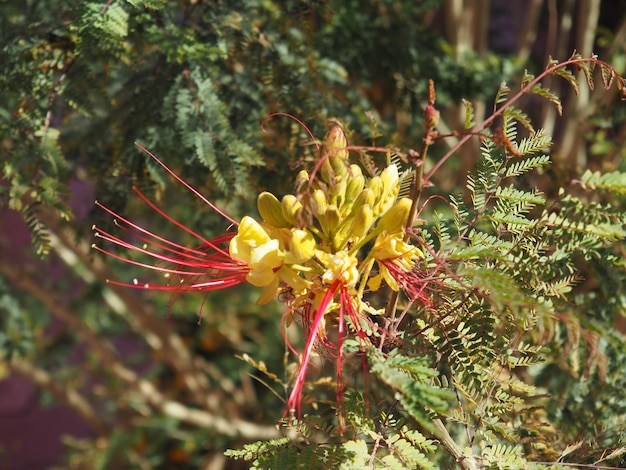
pixel 340 390
pixel 188 186
pixel 294 401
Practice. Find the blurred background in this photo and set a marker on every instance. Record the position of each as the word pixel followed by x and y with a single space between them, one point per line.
pixel 95 376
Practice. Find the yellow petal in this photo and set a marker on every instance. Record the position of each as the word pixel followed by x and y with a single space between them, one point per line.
pixel 269 292
pixel 394 219
pixel 374 282
pixel 301 247
pixel 250 234
pixel 264 262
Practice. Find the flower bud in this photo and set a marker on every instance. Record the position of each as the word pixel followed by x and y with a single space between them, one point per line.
pixel 356 181
pixel 291 209
pixel 366 197
pixel 270 209
pixel 394 219
pixel 376 186
pixel 319 204
pixel 362 222
pixel 330 220
pixel 431 117
pixel 391 187
pixel 334 149
pixel 302 180
pixel 337 192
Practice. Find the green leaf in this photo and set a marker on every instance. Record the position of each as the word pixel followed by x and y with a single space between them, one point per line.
pixel 614 181
pixel 469 114
pixel 549 95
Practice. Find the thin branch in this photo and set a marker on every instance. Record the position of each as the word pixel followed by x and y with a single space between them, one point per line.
pixel 465 461
pixel 499 111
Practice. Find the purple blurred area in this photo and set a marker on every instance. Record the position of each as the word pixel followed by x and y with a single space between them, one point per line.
pixel 30 435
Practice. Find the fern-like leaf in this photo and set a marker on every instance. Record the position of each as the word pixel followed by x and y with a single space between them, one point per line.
pixel 614 181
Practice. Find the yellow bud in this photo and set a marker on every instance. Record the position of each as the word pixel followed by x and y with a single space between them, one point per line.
pixel 356 181
pixel 330 220
pixel 291 209
pixel 377 186
pixel 270 209
pixel 391 187
pixel 366 197
pixel 318 202
pixel 327 172
pixel 302 177
pixel 337 192
pixel 394 219
pixel 302 182
pixel 363 220
pixel 301 247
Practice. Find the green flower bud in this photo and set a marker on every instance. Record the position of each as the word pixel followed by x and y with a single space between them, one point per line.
pixel 270 209
pixel 394 219
pixel 330 220
pixel 292 209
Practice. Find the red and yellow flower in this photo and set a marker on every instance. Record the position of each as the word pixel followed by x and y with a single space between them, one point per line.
pixel 338 238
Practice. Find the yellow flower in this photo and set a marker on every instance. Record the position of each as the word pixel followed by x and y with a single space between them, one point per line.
pixel 392 253
pixel 266 257
pixel 339 266
pixel 259 251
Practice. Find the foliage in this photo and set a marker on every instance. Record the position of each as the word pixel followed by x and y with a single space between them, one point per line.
pixel 509 357
pixel 501 272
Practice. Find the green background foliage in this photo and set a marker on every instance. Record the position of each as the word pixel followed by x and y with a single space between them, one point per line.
pixel 195 82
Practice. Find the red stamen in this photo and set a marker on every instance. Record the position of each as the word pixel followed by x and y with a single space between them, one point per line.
pixel 294 401
pixel 188 186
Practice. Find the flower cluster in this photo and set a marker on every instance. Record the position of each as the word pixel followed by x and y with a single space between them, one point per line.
pixel 338 238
